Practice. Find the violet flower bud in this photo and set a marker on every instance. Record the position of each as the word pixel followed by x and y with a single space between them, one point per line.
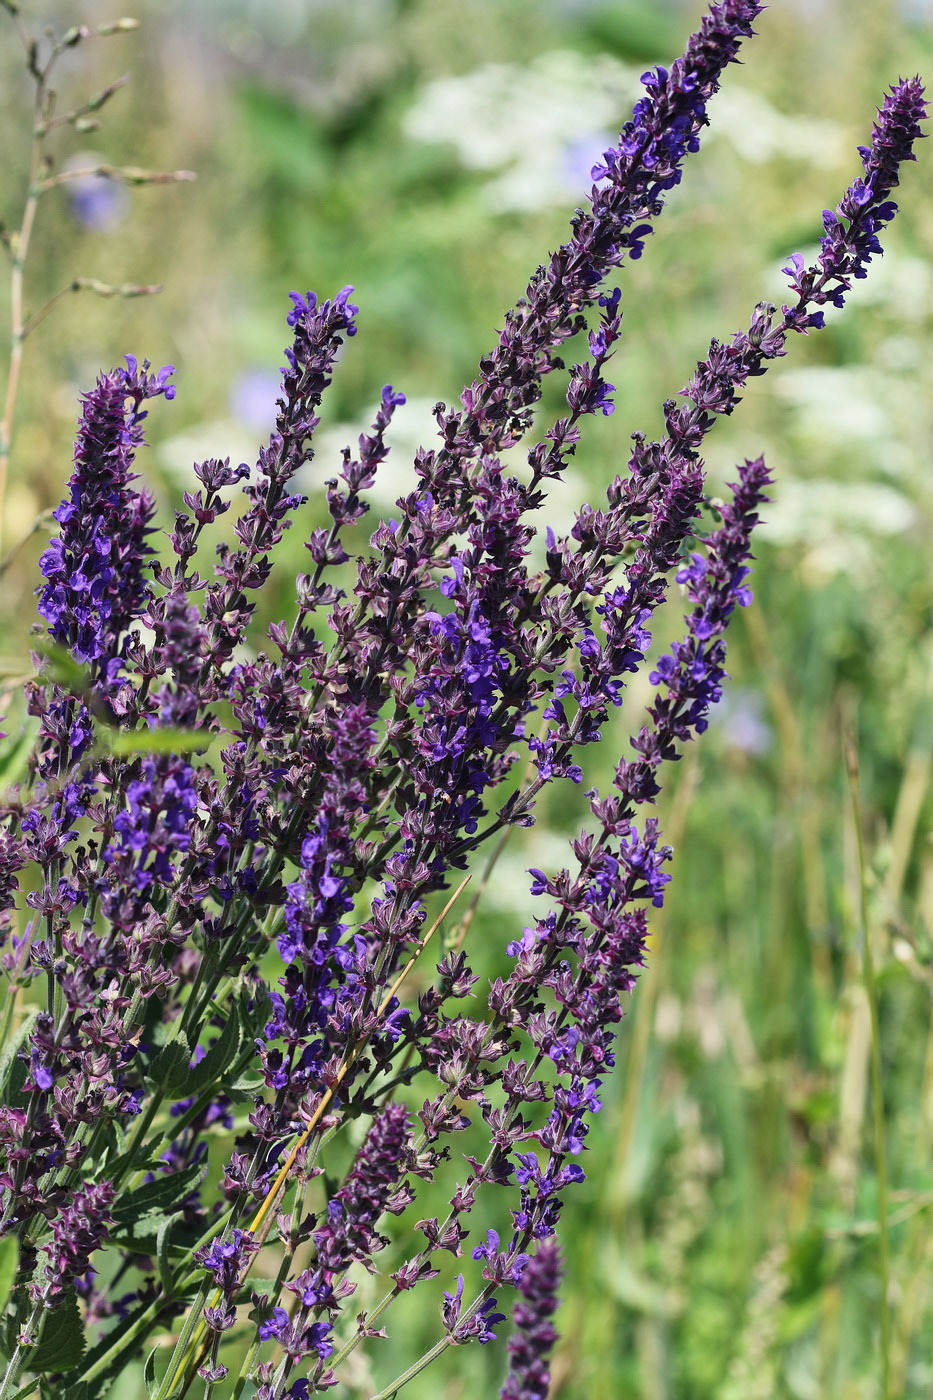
pixel 534 1335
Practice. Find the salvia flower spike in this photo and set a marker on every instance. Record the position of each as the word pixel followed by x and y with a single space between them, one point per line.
pixel 221 881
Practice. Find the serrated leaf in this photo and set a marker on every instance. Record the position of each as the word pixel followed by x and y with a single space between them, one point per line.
pixel 219 1057
pixel 169 1069
pixel 154 1198
pixel 97 1389
pixel 61 1345
pixel 9 1259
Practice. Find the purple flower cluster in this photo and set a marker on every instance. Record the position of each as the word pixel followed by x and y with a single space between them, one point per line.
pixel 94 568
pixel 203 816
pixel 76 1233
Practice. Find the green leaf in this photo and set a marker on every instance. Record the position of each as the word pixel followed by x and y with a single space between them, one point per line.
pixel 149 1374
pixel 61 1345
pixel 219 1057
pixel 154 1198
pixel 124 743
pixel 143 1238
pixel 9 1259
pixel 163 1258
pixel 255 1010
pixel 119 1165
pixel 14 756
pixel 13 1070
pixel 61 667
pixel 169 1068
pixel 243 1089
pixel 258 1285
pixel 111 1150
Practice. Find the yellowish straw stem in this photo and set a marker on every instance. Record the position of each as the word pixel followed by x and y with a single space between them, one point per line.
pixel 289 1162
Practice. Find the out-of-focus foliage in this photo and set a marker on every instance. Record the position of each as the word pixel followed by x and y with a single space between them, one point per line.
pixel 428 151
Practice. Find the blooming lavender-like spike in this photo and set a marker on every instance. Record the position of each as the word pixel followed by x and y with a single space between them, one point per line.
pixel 602 921
pixel 636 175
pixel 534 1335
pixel 692 672
pixel 94 567
pixel 850 238
pixel 371 1190
pixel 355 777
pixel 76 1233
pixel 12 859
pixel 319 329
pixel 497 408
pixel 464 647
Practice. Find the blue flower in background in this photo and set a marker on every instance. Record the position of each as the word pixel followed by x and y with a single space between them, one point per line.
pixel 96 203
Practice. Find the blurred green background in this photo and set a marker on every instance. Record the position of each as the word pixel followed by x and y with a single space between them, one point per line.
pixel 725 1245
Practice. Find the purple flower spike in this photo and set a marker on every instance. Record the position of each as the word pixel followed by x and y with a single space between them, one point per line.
pixel 371 1190
pixel 94 567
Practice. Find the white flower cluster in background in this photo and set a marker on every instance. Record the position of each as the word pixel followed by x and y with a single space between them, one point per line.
pixel 541 126
pixel 758 132
pixel 832 523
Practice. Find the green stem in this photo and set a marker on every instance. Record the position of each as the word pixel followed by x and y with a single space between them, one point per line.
pixel 249 1361
pixel 395 1386
pixel 171 1375
pixel 877 1088
pixel 209 1385
pixel 144 1321
pixel 8 1009
pixel 31 1389
pixel 298 1205
pixel 139 1328
pixel 178 1125
pixel 19 1355
pixel 354 1341
pixel 184 1020
pixel 184 1346
pixel 142 1127
pixel 209 1094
